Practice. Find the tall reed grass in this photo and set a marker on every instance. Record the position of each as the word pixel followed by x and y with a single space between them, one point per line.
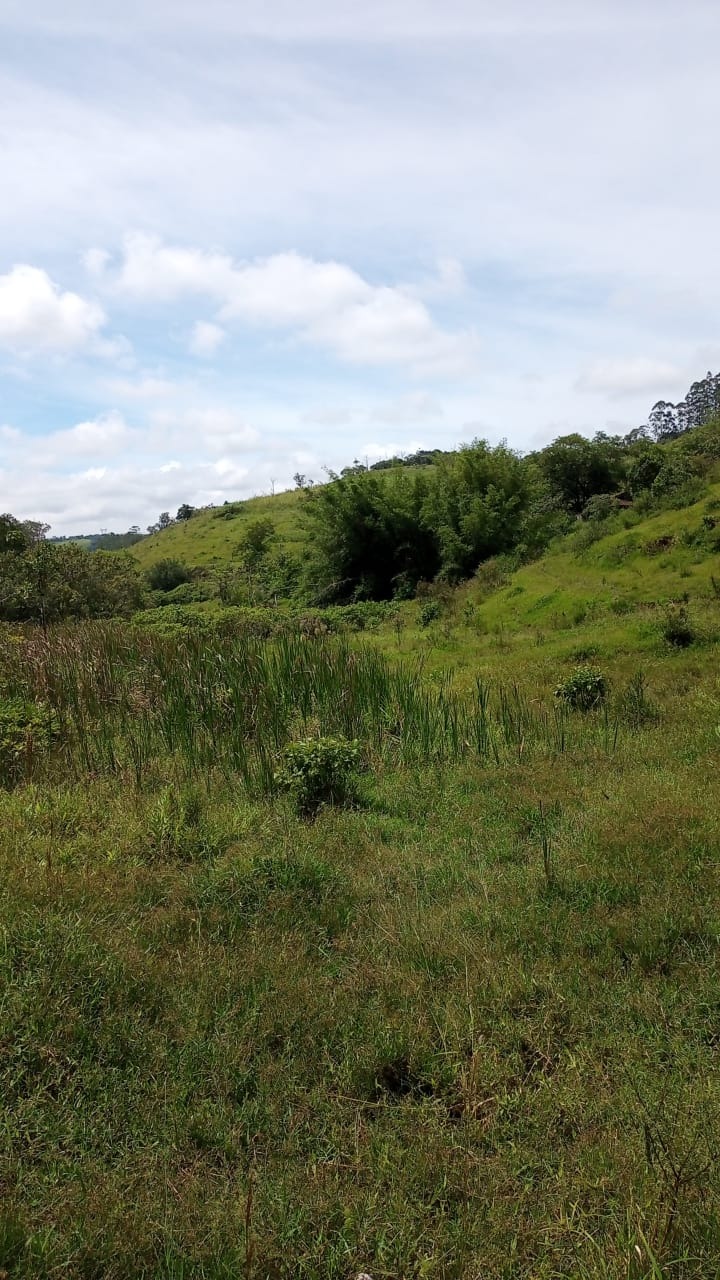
pixel 122 698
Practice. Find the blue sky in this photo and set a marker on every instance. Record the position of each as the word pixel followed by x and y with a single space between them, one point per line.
pixel 242 239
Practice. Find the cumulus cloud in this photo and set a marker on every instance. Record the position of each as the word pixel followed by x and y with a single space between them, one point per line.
pixel 325 303
pixel 146 387
pixel 106 473
pixel 106 436
pixel 36 315
pixel 534 175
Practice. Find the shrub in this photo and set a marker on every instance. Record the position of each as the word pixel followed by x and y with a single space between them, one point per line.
pixel 600 507
pixel 25 730
pixel 319 771
pixel 429 612
pixel 186 593
pixel 176 828
pixel 167 574
pixel 677 629
pixel 584 689
pixel 675 473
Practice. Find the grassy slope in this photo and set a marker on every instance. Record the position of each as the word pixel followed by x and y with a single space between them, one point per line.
pixel 211 537
pixel 650 562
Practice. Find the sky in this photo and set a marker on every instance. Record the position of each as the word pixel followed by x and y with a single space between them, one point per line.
pixel 241 239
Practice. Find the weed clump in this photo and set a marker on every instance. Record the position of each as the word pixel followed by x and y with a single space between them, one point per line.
pixel 25 731
pixel 584 689
pixel 634 704
pixel 176 829
pixel 677 629
pixel 318 772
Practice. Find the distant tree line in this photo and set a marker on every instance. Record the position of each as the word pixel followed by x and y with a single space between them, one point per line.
pixel 700 406
pixel 164 520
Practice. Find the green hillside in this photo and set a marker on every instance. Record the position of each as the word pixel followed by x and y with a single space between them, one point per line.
pixel 654 560
pixel 211 536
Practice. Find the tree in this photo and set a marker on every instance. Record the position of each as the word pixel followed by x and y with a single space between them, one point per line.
pixel 185 511
pixel 256 543
pixel 14 536
pixel 370 538
pixel 645 467
pixel 663 420
pixel 477 502
pixel 576 468
pixel 50 581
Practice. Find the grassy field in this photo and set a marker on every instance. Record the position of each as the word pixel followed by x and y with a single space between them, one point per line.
pixel 467 1026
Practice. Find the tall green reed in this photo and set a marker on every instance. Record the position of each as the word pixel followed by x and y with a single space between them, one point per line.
pixel 126 699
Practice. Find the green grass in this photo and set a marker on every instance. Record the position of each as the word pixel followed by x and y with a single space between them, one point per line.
pixel 211 537
pixel 468 1027
pixel 656 559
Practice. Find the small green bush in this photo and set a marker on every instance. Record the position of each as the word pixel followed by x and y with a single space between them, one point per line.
pixel 674 474
pixel 176 829
pixel 677 629
pixel 429 612
pixel 167 574
pixel 319 771
pixel 26 731
pixel 584 689
pixel 600 507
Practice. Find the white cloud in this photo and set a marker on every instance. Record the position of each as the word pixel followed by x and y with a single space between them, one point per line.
pixel 206 338
pixel 146 387
pixel 618 378
pixel 95 261
pixel 544 157
pixel 210 429
pixel 36 315
pixel 449 281
pixel 106 436
pixel 328 416
pixel 324 303
pixel 321 20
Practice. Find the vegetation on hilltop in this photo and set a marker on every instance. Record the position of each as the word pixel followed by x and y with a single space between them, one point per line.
pixel 378 533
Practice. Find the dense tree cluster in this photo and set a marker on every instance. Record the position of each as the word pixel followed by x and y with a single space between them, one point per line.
pixel 44 581
pixel 700 406
pixel 375 536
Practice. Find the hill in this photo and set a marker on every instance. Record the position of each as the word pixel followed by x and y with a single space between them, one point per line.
pixel 211 535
